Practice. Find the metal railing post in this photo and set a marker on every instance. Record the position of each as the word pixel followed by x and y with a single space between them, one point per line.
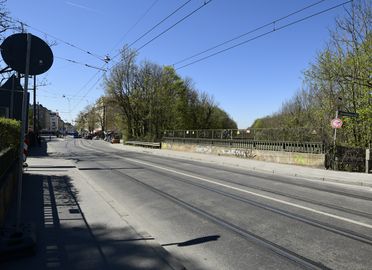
pixel 368 159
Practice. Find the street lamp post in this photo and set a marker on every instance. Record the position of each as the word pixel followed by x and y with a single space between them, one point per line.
pixel 34 111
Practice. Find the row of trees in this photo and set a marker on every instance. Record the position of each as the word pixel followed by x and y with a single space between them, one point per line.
pixel 339 79
pixel 143 100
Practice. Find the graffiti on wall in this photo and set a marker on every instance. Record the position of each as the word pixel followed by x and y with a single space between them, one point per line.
pixel 206 149
pixel 242 153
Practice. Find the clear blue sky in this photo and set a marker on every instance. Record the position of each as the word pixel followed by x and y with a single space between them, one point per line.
pixel 248 82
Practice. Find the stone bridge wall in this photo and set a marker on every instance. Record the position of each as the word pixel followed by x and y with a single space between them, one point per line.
pixel 305 159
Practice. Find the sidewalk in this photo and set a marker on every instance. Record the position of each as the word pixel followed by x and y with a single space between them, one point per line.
pixel 78 226
pixel 308 173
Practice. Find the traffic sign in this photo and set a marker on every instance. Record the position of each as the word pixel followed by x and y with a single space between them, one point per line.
pixel 14 53
pixel 336 123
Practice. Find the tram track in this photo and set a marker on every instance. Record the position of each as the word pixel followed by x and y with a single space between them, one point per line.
pixel 283 251
pixel 275 192
pixel 250 236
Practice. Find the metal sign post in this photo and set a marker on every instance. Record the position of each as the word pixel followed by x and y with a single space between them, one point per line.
pixel 22 134
pixel 335 131
pixel 35 125
pixel 23 58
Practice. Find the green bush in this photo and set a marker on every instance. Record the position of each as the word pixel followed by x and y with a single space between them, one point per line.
pixel 9 133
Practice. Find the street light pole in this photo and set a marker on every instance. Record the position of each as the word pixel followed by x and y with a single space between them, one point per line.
pixel 22 134
pixel 335 132
pixel 104 119
pixel 35 126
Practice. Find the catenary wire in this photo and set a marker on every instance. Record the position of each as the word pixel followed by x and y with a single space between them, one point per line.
pixel 135 24
pixel 65 42
pixel 84 96
pixel 264 34
pixel 106 62
pixel 79 63
pixel 247 33
pixel 179 21
pixel 173 25
pixel 168 16
pixel 155 26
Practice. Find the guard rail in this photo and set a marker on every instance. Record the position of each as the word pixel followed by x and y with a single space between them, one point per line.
pixel 144 144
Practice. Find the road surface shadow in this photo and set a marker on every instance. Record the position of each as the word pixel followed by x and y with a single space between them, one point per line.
pixel 64 238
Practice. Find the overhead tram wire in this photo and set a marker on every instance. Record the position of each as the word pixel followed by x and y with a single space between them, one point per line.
pixel 173 25
pixel 86 84
pixel 64 42
pixel 147 32
pixel 247 33
pixel 136 23
pixel 90 89
pixel 155 26
pixel 264 34
pixel 106 62
pixel 205 3
pixel 79 63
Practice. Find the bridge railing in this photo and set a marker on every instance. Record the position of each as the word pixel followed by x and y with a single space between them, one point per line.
pixel 301 147
pixel 259 139
pixel 257 134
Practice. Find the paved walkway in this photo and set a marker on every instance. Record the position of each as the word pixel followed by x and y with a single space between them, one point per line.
pixel 349 178
pixel 77 225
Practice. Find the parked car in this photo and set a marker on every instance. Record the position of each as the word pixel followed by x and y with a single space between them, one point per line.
pixel 115 140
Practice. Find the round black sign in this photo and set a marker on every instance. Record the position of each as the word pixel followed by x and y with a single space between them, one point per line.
pixel 14 50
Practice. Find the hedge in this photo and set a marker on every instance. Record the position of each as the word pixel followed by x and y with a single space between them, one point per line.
pixel 7 157
pixel 9 133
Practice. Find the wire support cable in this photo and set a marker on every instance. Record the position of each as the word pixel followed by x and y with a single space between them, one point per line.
pixel 155 26
pixel 80 63
pixel 136 23
pixel 264 34
pixel 142 36
pixel 247 33
pixel 173 25
pixel 104 59
pixel 90 89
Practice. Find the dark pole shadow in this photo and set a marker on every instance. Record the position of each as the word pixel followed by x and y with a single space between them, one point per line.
pixel 40 150
pixel 196 241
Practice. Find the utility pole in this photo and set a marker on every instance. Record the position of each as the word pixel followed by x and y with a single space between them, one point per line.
pixel 104 119
pixel 335 132
pixel 11 113
pixel 38 114
pixel 22 134
pixel 34 110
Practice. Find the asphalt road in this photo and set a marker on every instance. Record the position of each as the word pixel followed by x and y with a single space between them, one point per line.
pixel 212 217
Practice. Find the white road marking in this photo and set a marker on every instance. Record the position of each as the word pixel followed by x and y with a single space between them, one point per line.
pixel 255 194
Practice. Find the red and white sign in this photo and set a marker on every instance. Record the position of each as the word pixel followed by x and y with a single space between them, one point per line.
pixel 336 123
